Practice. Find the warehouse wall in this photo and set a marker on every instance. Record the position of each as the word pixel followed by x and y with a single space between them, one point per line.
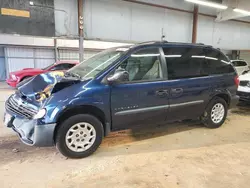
pixel 66 17
pixel 120 20
pixel 226 35
pixel 110 20
pixel 20 57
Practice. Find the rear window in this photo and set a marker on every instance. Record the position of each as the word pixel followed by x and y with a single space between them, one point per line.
pixel 217 62
pixel 191 62
pixel 239 63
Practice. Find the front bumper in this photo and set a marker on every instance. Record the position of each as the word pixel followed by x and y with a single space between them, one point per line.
pixel 32 134
pixel 12 83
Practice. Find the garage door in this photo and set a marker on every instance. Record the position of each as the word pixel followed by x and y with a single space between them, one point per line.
pixel 245 55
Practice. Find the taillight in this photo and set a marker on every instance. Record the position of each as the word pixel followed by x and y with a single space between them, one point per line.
pixel 236 80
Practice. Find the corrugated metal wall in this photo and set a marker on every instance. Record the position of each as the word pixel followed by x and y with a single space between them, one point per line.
pixel 19 57
pixel 2 64
pixel 66 54
pixel 43 57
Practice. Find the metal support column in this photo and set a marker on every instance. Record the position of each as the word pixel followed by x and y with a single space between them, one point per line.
pixel 80 30
pixel 56 49
pixel 195 23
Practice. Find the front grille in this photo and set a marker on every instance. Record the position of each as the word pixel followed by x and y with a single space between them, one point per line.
pixel 17 106
pixel 244 83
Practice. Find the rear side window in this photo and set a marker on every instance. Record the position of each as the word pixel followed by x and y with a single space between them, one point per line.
pixel 216 62
pixel 239 63
pixel 184 62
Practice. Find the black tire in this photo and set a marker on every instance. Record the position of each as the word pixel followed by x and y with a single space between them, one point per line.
pixel 67 124
pixel 207 118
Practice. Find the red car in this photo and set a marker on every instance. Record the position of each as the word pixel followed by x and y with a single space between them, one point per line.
pixel 18 76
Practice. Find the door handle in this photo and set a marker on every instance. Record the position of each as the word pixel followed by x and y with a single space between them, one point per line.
pixel 162 92
pixel 177 91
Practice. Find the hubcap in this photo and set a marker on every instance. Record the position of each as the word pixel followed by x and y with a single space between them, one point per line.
pixel 80 137
pixel 217 113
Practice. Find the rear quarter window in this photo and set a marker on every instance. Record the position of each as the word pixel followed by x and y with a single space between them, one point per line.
pixel 217 62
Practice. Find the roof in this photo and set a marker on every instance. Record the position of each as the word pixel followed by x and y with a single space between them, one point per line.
pixel 152 43
pixel 67 61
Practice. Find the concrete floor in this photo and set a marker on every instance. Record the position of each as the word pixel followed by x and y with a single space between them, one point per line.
pixel 184 155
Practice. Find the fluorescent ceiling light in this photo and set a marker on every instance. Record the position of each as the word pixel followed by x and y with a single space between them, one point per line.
pixel 209 4
pixel 242 11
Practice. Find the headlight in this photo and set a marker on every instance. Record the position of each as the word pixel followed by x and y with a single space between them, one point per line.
pixel 41 113
pixel 13 77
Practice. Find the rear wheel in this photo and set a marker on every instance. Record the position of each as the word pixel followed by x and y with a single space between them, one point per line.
pixel 79 136
pixel 215 113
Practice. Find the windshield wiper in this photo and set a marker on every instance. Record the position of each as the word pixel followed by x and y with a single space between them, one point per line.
pixel 67 74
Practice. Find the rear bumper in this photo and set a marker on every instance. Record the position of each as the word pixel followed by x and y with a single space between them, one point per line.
pixel 32 134
pixel 244 96
pixel 234 101
pixel 11 83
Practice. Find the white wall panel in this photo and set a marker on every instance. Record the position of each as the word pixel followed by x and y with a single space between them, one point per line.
pixel 66 17
pixel 178 31
pixel 125 21
pixel 225 35
pixel 147 23
pixel 109 20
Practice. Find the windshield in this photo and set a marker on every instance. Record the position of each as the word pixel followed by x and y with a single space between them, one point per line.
pixel 94 65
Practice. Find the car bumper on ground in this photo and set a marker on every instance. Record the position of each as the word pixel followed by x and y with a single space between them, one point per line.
pixel 29 132
pixel 11 83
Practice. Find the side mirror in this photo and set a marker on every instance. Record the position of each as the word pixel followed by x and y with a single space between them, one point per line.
pixel 118 76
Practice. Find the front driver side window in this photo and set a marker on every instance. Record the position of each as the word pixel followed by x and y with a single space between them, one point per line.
pixel 144 65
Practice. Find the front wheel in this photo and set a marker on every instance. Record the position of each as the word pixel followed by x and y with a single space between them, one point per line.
pixel 215 113
pixel 79 136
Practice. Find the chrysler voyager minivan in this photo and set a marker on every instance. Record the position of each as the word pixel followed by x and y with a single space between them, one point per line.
pixel 123 87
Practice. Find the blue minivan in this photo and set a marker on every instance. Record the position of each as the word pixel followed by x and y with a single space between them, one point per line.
pixel 119 88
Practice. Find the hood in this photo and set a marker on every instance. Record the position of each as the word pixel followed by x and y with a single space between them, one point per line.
pixel 245 77
pixel 27 70
pixel 38 88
